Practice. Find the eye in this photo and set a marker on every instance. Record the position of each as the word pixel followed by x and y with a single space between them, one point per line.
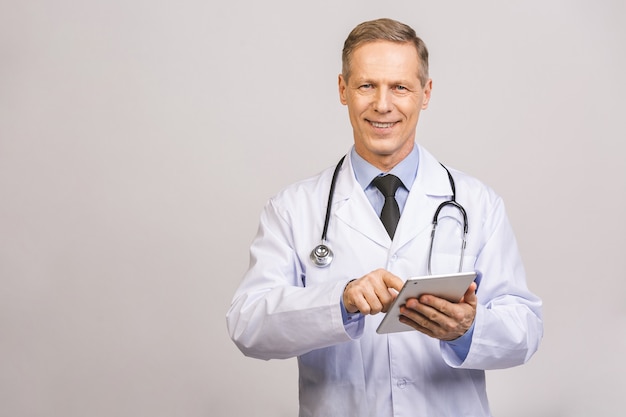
pixel 401 88
pixel 366 86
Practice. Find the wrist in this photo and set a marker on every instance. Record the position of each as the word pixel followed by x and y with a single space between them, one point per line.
pixel 345 302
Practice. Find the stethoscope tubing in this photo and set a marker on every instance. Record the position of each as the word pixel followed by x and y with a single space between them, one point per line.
pixel 322 255
pixel 331 193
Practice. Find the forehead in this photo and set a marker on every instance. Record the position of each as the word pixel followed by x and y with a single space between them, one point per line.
pixel 384 60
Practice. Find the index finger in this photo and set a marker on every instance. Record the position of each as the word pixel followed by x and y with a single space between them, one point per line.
pixel 392 281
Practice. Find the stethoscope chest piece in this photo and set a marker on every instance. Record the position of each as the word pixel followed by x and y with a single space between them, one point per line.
pixel 321 255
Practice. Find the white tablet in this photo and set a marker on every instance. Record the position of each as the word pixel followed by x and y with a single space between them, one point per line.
pixel 448 286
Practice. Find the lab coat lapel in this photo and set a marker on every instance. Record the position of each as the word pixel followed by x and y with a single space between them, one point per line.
pixel 430 188
pixel 355 210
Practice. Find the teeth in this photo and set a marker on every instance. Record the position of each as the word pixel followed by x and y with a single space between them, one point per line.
pixel 382 125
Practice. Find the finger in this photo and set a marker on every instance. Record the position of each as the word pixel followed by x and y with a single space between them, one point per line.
pixel 419 322
pixel 441 323
pixel 392 281
pixel 362 305
pixel 372 293
pixel 416 326
pixel 354 302
pixel 425 313
pixel 379 297
pixel 430 305
pixel 362 295
pixel 448 322
pixel 447 329
pixel 386 296
pixel 446 307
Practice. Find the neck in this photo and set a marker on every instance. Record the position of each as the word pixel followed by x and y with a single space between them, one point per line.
pixel 385 162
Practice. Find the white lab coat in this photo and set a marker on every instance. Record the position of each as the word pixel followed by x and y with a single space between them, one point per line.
pixel 287 307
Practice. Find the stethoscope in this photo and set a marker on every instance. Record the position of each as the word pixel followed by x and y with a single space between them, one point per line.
pixel 322 256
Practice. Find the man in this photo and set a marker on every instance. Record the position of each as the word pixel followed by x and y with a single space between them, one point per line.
pixel 287 306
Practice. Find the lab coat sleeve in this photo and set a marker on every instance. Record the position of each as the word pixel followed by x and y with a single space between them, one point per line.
pixel 508 326
pixel 273 315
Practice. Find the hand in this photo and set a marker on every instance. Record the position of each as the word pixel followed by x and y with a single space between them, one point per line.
pixel 440 318
pixel 371 293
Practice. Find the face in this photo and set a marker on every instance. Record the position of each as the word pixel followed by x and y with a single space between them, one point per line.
pixel 384 98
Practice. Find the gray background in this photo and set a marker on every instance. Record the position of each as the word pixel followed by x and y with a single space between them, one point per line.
pixel 120 120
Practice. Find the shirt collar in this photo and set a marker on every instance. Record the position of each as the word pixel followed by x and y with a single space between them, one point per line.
pixel 365 172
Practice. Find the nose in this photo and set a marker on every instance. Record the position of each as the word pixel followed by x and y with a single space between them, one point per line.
pixel 383 101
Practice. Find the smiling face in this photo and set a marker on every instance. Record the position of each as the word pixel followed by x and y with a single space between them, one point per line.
pixel 384 96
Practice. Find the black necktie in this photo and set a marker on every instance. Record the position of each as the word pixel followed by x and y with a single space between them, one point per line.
pixel 390 215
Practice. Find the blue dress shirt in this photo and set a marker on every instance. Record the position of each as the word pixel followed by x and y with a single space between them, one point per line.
pixel 406 170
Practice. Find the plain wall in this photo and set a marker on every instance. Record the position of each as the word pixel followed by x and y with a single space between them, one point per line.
pixel 124 123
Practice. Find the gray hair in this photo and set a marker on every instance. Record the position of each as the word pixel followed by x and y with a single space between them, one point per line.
pixel 384 30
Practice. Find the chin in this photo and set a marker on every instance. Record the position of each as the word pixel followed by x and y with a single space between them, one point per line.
pixel 387 147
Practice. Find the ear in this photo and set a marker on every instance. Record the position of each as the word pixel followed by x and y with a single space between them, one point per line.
pixel 427 90
pixel 342 90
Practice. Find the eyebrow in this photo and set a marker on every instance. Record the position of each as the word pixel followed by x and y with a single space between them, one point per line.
pixel 405 83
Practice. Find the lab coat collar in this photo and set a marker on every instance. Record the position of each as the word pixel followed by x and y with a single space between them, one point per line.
pixel 353 207
pixel 429 189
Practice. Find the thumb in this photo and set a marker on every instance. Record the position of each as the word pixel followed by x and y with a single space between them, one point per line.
pixel 470 295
